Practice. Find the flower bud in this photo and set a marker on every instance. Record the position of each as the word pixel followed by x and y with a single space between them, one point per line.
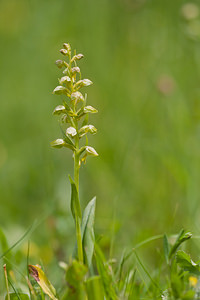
pixel 59 90
pixel 64 52
pixel 67 47
pixel 71 131
pixel 77 57
pixel 82 83
pixel 59 143
pixel 87 128
pixel 91 151
pixel 77 96
pixel 87 82
pixel 66 71
pixel 75 70
pixel 59 63
pixel 65 79
pixel 59 110
pixel 90 109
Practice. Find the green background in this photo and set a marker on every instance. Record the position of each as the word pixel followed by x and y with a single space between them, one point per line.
pixel 144 60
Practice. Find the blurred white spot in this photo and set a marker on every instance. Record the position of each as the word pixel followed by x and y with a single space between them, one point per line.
pixel 190 11
pixel 166 85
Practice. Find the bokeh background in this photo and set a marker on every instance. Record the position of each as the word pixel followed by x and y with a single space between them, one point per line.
pixel 144 59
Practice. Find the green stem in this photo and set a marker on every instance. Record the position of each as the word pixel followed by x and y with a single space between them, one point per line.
pixel 78 220
pixel 79 239
pixel 76 180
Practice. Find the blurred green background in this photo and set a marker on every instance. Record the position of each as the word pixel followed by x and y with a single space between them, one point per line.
pixel 144 60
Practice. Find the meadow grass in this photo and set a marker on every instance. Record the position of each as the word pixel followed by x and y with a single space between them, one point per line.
pixel 144 60
pixel 89 273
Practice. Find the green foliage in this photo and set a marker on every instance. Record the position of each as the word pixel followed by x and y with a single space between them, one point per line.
pixel 75 204
pixel 166 247
pixel 185 262
pixel 37 273
pixel 75 275
pixel 87 230
pixel 123 280
pixel 94 288
pixel 106 274
pixel 182 237
pixel 18 296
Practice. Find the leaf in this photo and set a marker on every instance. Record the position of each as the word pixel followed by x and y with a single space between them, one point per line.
pixel 94 288
pixel 36 272
pixel 14 296
pixel 147 272
pixel 87 230
pixel 105 272
pixel 182 237
pixel 69 141
pixel 176 285
pixel 189 295
pixel 184 260
pixel 129 283
pixel 75 203
pixel 166 248
pixel 122 261
pixel 85 121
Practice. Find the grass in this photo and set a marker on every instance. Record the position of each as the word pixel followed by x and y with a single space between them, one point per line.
pixel 148 143
pixel 88 274
pixel 130 278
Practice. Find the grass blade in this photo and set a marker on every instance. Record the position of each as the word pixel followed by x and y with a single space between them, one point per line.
pixel 106 275
pixel 166 247
pixel 182 237
pixel 30 229
pixel 147 273
pixel 94 288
